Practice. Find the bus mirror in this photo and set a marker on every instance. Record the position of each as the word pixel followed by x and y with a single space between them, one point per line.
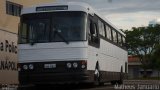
pixel 92 29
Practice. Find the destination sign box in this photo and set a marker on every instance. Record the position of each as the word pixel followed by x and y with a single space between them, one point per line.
pixel 52 8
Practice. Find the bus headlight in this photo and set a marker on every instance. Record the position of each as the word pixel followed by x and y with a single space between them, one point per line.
pixel 69 65
pixel 83 66
pixel 25 67
pixel 31 66
pixel 75 65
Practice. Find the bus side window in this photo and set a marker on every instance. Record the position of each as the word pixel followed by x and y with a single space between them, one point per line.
pixel 93 34
pixel 119 39
pixel 93 29
pixel 114 33
pixel 109 32
pixel 101 28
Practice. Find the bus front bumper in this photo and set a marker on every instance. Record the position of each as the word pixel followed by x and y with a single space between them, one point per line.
pixel 54 78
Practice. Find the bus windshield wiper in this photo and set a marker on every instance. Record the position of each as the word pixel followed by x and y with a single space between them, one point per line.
pixel 61 36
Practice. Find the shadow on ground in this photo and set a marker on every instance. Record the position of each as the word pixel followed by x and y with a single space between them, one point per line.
pixel 60 87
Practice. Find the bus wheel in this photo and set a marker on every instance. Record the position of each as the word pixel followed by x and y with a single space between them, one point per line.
pixel 120 82
pixel 97 75
pixel 121 76
pixel 113 82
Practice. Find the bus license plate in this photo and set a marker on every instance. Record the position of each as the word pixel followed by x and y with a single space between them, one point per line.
pixel 49 65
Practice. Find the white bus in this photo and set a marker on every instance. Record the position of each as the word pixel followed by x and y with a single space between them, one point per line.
pixel 69 43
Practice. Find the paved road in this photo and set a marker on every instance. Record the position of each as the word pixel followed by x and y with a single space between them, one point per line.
pixel 77 87
pixel 66 87
pixel 131 84
pixel 128 84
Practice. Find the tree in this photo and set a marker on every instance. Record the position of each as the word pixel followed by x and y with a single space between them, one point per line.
pixel 156 59
pixel 142 42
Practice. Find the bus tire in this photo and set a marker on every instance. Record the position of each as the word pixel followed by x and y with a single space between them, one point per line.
pixel 113 82
pixel 121 76
pixel 120 82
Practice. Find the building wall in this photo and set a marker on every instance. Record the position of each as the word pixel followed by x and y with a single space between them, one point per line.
pixel 27 3
pixel 7 22
pixel 8 58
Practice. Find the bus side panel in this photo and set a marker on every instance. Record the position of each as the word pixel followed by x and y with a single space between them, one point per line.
pixel 110 57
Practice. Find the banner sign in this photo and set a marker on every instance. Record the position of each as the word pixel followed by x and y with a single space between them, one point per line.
pixel 8 58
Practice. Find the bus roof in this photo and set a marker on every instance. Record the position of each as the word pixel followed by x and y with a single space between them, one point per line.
pixel 71 6
pixel 66 6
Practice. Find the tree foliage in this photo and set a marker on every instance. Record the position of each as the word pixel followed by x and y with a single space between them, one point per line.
pixel 142 42
pixel 156 58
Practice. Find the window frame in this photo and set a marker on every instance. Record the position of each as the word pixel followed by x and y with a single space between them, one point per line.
pixel 13 8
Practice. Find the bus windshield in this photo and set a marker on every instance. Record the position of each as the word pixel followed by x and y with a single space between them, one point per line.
pixel 52 27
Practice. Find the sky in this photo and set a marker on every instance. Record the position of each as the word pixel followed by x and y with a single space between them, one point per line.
pixel 125 14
